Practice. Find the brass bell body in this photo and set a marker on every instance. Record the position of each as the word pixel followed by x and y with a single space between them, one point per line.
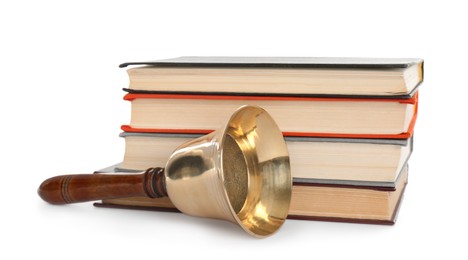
pixel 240 173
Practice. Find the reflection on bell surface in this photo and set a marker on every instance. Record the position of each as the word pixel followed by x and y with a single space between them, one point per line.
pixel 240 173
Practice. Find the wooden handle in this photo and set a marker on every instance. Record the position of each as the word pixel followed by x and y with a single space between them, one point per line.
pixel 66 189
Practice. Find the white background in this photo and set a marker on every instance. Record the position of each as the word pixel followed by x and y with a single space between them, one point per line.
pixel 61 109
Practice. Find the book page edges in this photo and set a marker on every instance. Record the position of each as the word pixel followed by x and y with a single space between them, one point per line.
pixel 403 135
pixel 164 204
pixel 389 221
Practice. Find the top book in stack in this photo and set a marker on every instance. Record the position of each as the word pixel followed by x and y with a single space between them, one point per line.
pixel 329 77
pixel 327 97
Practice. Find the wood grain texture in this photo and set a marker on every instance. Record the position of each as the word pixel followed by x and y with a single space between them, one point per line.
pixel 67 189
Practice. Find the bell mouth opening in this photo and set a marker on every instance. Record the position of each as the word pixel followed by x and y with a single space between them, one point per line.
pixel 256 172
pixel 236 177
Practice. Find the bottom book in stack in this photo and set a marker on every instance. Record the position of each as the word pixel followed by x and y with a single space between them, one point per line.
pixel 334 179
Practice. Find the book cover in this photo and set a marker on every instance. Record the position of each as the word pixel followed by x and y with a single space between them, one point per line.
pixel 283 62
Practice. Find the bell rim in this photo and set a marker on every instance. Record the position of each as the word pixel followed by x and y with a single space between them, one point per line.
pixel 222 135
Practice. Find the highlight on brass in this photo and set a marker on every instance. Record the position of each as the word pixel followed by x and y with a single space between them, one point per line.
pixel 240 174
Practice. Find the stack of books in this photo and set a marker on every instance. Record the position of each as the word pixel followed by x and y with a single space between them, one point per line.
pixel 348 124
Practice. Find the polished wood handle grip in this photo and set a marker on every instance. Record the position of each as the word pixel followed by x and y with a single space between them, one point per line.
pixel 66 189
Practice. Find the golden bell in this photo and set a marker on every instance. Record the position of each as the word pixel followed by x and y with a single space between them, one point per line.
pixel 240 173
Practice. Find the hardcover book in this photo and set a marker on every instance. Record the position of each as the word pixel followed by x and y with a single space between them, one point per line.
pixel 296 116
pixel 358 162
pixel 324 202
pixel 270 76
